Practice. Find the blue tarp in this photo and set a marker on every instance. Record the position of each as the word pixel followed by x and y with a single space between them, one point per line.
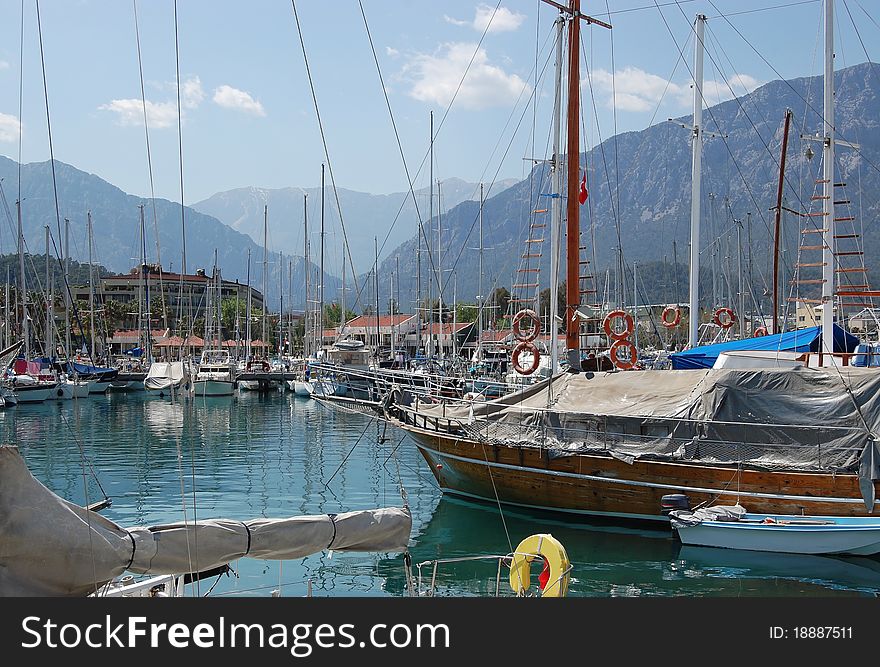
pixel 85 370
pixel 135 352
pixel 801 340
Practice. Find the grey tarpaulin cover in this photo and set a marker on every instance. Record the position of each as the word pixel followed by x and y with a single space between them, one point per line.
pixel 798 419
pixel 52 547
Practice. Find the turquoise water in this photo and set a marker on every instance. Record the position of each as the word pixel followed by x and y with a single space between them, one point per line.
pixel 277 455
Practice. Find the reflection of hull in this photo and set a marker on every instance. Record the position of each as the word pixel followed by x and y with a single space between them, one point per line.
pixel 213 388
pixel 835 571
pixel 259 385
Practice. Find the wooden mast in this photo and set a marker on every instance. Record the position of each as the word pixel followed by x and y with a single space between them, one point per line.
pixel 572 248
pixel 778 221
pixel 572 251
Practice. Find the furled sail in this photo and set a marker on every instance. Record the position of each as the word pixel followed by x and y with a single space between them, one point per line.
pixel 52 547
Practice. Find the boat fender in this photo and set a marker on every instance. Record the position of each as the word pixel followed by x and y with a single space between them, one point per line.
pixel 675 312
pixel 760 331
pixel 530 332
pixel 609 329
pixel 724 317
pixel 548 548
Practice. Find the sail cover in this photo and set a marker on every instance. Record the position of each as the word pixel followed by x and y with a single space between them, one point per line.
pixel 164 374
pixel 52 547
pixel 800 340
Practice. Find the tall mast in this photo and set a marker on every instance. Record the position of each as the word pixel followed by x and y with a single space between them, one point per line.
pixel 555 207
pixel 6 339
pixel 696 172
pixel 265 337
pixel 828 264
pixel 48 294
pixel 91 289
pixel 439 276
pixel 479 354
pixel 342 316
pixel 572 253
pixel 22 286
pixel 307 332
pixel 281 307
pixel 320 320
pixel 778 221
pixel 290 314
pixel 144 297
pixel 247 324
pixel 430 346
pixel 376 281
pixel 67 300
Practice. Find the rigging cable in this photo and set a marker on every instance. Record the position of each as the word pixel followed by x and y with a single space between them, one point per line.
pixel 149 165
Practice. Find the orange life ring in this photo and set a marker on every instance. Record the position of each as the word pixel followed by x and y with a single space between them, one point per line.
pixel 726 323
pixel 525 346
pixel 760 331
pixel 613 315
pixel 532 332
pixel 624 364
pixel 675 319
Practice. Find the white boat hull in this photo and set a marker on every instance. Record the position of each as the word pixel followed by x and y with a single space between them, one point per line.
pixel 301 388
pixel 34 393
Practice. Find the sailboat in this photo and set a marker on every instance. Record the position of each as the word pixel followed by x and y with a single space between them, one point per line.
pixel 216 373
pixel 623 444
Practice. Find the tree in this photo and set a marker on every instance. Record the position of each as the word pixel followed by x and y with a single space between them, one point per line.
pixel 332 315
pixel 229 309
pixel 466 312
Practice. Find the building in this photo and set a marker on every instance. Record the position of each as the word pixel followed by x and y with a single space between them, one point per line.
pixel 182 294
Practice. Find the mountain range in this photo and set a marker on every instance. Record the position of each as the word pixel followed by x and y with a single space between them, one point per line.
pixel 639 187
pixel 392 218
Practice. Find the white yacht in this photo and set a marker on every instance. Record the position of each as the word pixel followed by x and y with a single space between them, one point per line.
pixel 216 374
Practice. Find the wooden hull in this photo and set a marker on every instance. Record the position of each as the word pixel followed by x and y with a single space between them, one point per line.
pixel 601 485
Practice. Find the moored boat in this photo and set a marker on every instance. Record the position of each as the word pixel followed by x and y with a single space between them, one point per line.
pixel 732 527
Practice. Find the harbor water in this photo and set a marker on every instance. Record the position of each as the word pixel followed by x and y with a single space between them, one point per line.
pixel 277 455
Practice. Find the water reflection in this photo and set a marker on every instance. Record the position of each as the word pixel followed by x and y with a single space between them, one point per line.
pixel 277 455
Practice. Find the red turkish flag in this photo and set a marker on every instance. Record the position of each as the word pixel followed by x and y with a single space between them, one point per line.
pixel 582 197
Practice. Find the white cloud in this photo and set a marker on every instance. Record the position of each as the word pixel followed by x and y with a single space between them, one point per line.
pixel 453 21
pixel 500 20
pixel 637 90
pixel 131 112
pixel 435 78
pixel 391 52
pixel 503 21
pixel 232 98
pixel 191 93
pixel 9 128
pixel 159 114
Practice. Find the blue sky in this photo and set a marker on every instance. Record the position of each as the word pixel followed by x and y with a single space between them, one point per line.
pixel 248 115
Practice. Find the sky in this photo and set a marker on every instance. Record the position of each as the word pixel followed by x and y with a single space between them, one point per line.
pixel 247 112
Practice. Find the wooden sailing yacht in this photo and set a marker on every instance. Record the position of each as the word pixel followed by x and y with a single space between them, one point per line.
pixel 640 444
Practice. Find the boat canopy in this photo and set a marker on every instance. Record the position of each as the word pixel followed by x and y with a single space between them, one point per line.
pixel 800 340
pixel 52 547
pixel 89 371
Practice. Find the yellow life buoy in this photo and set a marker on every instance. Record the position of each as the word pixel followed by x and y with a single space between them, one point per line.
pixel 541 546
